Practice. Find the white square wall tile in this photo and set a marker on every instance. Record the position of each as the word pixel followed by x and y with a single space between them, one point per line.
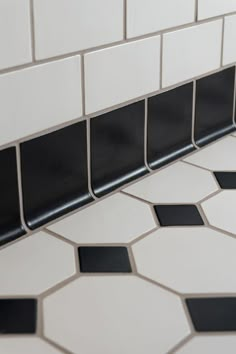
pixel 63 26
pixel 118 74
pixel 191 52
pixel 211 8
pixel 146 16
pixel 38 98
pixel 229 54
pixel 15 38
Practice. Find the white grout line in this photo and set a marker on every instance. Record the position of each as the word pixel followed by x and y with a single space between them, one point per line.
pixel 20 192
pixel 32 29
pixel 196 11
pixel 125 19
pixel 89 162
pixel 194 114
pixel 234 98
pixel 222 42
pixel 161 59
pixel 146 136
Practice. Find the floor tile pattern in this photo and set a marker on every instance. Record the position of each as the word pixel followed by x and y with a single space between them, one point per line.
pixel 110 279
pixel 178 183
pixel 114 315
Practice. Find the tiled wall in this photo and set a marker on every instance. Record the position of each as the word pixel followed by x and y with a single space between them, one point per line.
pixel 96 93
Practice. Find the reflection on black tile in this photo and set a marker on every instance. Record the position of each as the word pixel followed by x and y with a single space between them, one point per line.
pixel 104 259
pixel 177 215
pixel 226 180
pixel 18 316
pixel 54 174
pixel 170 125
pixel 117 148
pixel 214 106
pixel 10 223
pixel 213 314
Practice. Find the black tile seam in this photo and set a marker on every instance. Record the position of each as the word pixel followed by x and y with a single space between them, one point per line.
pixel 223 133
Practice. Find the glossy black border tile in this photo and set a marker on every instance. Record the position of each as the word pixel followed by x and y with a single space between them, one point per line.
pixel 54 174
pixel 214 106
pixel 117 148
pixel 10 222
pixel 226 180
pixel 178 215
pixel 213 314
pixel 104 259
pixel 169 126
pixel 18 316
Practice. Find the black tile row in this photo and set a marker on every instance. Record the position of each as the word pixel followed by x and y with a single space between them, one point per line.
pixel 54 166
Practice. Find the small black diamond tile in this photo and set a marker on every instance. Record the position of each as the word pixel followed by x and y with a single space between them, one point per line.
pixel 226 180
pixel 213 314
pixel 103 259
pixel 18 316
pixel 177 215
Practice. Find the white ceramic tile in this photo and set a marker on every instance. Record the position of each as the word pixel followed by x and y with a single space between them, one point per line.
pixel 38 98
pixel 216 157
pixel 35 264
pixel 177 183
pixel 229 54
pixel 146 16
pixel 190 52
pixel 63 27
pixel 117 219
pixel 188 259
pixel 211 8
pixel 118 74
pixel 26 345
pixel 220 210
pixel 209 345
pixel 114 315
pixel 15 39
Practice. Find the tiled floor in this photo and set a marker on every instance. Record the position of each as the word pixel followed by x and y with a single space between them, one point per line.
pixel 150 269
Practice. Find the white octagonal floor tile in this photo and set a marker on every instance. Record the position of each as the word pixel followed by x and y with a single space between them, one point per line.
pixel 218 156
pixel 34 264
pixel 220 210
pixel 116 219
pixel 178 183
pixel 188 259
pixel 112 314
pixel 210 345
pixel 26 345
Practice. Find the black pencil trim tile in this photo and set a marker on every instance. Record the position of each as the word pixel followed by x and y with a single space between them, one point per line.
pixel 213 314
pixel 226 180
pixel 10 221
pixel 169 127
pixel 214 106
pixel 54 174
pixel 18 316
pixel 117 148
pixel 104 259
pixel 178 215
